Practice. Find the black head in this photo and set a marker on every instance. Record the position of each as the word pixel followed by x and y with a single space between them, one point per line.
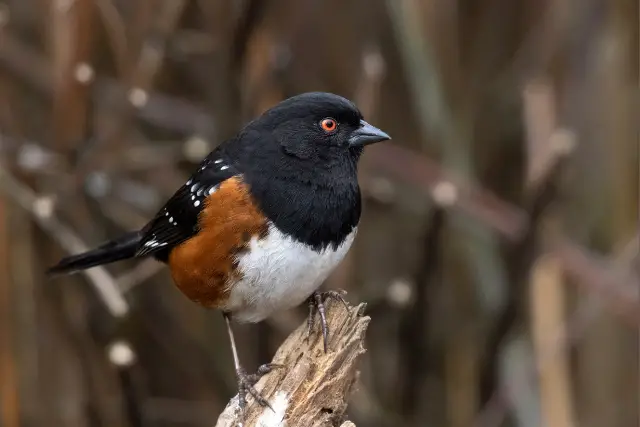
pixel 320 125
pixel 300 159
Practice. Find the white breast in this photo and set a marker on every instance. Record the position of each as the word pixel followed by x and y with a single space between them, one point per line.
pixel 279 273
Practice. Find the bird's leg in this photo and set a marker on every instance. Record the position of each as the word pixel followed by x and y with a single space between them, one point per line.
pixel 246 382
pixel 312 314
pixel 316 302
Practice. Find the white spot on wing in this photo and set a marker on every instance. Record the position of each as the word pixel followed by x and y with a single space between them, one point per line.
pixel 196 203
pixel 154 243
pixel 278 273
pixel 224 167
pixel 218 161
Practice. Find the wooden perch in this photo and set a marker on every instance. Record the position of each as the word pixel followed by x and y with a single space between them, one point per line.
pixel 313 387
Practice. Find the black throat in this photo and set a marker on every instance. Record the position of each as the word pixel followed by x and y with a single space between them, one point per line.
pixel 316 205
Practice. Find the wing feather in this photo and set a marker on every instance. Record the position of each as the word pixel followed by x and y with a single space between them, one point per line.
pixel 178 219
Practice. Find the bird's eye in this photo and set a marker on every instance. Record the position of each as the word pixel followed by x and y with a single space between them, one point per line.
pixel 328 125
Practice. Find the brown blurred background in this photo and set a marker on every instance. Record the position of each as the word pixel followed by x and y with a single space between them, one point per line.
pixel 498 249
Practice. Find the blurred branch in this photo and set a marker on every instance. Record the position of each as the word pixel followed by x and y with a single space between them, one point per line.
pixel 9 386
pixel 480 204
pixel 42 210
pixel 140 81
pixel 619 290
pixel 312 388
pixel 413 327
pixel 139 274
pixel 548 305
pixel 252 13
pixel 599 277
pixel 423 74
pixel 546 290
pixel 116 31
pixel 163 111
pixel 549 149
pixel 426 175
pixel 71 39
pixel 373 71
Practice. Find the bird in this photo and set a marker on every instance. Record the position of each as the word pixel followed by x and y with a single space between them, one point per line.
pixel 265 218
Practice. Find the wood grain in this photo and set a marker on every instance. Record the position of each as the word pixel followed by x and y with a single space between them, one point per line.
pixel 313 388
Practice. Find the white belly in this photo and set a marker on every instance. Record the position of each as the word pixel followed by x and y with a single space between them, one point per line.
pixel 279 273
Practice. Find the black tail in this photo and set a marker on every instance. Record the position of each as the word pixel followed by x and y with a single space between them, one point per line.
pixel 115 250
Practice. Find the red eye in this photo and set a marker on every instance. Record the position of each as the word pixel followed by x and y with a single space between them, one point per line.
pixel 328 125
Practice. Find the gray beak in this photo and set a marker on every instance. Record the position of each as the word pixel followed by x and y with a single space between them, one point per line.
pixel 366 134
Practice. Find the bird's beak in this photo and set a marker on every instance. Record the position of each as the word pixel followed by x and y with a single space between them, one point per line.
pixel 366 134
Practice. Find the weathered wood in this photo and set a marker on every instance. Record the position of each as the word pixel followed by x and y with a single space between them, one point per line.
pixel 313 388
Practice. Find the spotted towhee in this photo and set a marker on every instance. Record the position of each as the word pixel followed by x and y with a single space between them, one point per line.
pixel 265 218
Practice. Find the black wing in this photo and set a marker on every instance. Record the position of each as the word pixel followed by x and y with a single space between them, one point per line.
pixel 178 218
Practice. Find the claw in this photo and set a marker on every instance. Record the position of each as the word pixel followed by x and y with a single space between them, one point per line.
pixel 246 385
pixel 262 371
pixel 323 319
pixel 316 302
pixel 338 296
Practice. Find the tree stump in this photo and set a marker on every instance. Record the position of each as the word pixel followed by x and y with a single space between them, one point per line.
pixel 312 389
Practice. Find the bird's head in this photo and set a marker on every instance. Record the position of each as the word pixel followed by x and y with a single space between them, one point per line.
pixel 319 126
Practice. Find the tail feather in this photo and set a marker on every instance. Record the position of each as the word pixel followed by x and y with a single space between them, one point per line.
pixel 115 250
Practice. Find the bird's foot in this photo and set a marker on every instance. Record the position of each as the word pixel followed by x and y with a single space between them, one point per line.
pixel 316 303
pixel 246 384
